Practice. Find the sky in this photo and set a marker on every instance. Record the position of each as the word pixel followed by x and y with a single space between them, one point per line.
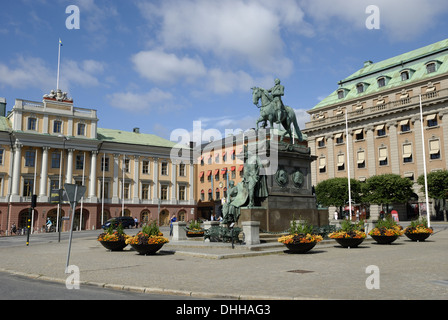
pixel 166 65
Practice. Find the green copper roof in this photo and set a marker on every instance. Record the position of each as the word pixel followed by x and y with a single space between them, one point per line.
pixel 120 136
pixel 5 125
pixel 391 68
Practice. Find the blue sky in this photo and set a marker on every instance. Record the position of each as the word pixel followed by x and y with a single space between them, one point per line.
pixel 160 65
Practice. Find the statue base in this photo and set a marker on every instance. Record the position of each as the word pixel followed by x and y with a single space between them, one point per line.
pixel 290 194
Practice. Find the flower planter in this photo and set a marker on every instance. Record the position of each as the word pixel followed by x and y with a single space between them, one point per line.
pixel 418 236
pixel 349 242
pixel 300 247
pixel 384 239
pixel 191 234
pixel 147 249
pixel 114 245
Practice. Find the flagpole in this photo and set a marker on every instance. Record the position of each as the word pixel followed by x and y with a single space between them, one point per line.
pixel 348 166
pixel 59 63
pixel 424 163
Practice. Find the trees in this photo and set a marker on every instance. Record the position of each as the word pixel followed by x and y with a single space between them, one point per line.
pixel 334 192
pixel 387 189
pixel 437 186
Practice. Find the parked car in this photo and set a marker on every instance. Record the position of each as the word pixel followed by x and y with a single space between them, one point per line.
pixel 127 222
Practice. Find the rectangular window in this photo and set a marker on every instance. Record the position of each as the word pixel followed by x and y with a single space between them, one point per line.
pixel 81 129
pixel 341 162
pixel 407 153
pixel 361 159
pixel 127 194
pixel 431 67
pixel 405 127
pixel 29 158
pixel 126 165
pixel 182 192
pixel 164 193
pixel 322 165
pixel 106 190
pixel 2 152
pixel 381 130
pixel 381 82
pixel 182 170
pixel 383 156
pixel 404 76
pixel 28 185
pixel 359 134
pixel 432 120
pixel 145 191
pixel 434 149
pixel 145 167
pixel 79 162
pixel 339 138
pixel 55 160
pixel 57 126
pixel 32 124
pixel 321 142
pixel 164 169
pixel 105 164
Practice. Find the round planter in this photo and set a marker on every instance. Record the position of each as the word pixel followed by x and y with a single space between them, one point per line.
pixel 384 239
pixel 145 249
pixel 300 247
pixel 349 242
pixel 418 236
pixel 114 245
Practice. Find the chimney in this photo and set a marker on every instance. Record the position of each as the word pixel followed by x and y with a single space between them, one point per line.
pixel 367 63
pixel 136 130
pixel 2 107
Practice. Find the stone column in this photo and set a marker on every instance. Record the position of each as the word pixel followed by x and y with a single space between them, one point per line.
pixel 371 151
pixel 136 179
pixel 330 156
pixel 394 148
pixel 16 176
pixel 92 185
pixel 115 183
pixel 155 179
pixel 191 186
pixel 44 174
pixel 69 176
pixel 174 183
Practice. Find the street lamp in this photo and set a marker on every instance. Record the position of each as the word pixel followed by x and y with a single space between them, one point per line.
pixel 60 185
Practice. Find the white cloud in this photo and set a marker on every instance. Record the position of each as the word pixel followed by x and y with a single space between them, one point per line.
pixel 158 66
pixel 235 32
pixel 31 72
pixel 155 99
pixel 399 19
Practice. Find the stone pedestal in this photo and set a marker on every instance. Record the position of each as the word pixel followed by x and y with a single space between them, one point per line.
pixel 209 224
pixel 251 231
pixel 179 233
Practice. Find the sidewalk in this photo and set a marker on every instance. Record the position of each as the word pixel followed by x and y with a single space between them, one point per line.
pixel 408 270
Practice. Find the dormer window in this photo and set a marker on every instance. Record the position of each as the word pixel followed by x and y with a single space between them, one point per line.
pixel 406 74
pixel 342 93
pixel 382 81
pixel 432 66
pixel 360 88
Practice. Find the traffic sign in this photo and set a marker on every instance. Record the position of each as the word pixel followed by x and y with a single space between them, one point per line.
pixel 74 192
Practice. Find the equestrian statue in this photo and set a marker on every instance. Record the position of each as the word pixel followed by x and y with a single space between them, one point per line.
pixel 273 110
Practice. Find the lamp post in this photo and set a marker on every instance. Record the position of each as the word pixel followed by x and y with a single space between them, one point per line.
pixel 58 227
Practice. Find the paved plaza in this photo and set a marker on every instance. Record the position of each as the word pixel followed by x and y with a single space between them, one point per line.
pixel 406 269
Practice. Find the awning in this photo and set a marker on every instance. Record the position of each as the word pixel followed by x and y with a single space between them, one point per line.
pixel 216 172
pixel 241 167
pixel 201 174
pixel 209 173
pixel 232 168
pixel 338 135
pixel 223 170
pixel 380 127
pixel 358 131
pixel 202 191
pixel 404 122
pixel 431 117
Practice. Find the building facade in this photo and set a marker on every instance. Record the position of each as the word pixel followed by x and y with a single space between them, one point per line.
pixel 382 105
pixel 46 144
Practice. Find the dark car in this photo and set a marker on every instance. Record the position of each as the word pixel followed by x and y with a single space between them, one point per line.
pixel 127 222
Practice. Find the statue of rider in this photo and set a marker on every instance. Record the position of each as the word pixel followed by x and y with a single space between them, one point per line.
pixel 277 92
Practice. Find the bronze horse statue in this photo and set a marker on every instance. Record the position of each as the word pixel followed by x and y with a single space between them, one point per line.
pixel 269 114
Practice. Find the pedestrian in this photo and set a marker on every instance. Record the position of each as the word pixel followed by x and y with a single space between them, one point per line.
pixel 336 215
pixel 173 219
pixel 13 228
pixel 136 222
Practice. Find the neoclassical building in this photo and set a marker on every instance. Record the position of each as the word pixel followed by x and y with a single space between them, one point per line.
pixel 46 144
pixel 382 104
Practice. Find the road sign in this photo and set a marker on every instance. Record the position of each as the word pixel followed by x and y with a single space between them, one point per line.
pixel 74 192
